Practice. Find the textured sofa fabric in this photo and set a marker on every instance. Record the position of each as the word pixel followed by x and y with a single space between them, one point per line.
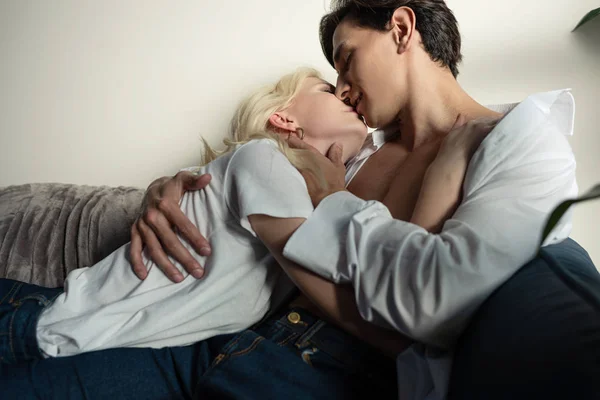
pixel 538 335
pixel 47 230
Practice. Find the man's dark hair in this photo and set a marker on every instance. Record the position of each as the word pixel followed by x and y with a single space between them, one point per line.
pixel 434 21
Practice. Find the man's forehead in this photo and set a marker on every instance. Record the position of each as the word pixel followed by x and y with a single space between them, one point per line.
pixel 337 51
pixel 341 38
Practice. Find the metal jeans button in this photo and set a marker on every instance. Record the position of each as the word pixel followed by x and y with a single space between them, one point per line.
pixel 294 317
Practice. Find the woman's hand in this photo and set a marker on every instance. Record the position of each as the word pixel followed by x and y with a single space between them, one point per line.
pixel 440 192
pixel 155 228
pixel 332 167
pixel 464 139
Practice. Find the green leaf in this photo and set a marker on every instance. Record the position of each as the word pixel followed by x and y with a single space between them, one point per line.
pixel 588 17
pixel 561 209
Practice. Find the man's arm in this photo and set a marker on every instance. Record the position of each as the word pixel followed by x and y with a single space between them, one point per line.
pixel 425 285
pixel 336 301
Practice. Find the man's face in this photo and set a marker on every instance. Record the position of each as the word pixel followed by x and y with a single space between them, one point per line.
pixel 370 74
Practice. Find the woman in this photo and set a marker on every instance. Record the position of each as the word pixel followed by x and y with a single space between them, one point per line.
pixel 260 201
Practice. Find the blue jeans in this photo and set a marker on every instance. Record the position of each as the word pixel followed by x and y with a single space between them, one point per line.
pixel 20 307
pixel 290 355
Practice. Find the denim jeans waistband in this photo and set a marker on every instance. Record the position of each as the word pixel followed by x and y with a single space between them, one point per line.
pixel 311 331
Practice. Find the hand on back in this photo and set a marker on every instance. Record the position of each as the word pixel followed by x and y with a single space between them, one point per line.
pixel 157 227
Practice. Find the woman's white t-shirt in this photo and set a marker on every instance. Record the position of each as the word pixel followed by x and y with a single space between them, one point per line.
pixel 107 306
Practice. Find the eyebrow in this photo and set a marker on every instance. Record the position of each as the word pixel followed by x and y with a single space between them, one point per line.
pixel 338 52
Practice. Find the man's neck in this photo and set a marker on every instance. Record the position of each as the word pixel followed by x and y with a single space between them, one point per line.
pixel 434 107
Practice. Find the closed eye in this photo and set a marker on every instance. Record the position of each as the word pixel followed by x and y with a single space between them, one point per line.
pixel 329 88
pixel 347 62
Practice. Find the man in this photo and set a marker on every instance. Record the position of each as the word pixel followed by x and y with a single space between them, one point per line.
pixel 397 62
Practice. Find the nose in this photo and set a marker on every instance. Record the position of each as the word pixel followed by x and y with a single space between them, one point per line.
pixel 342 90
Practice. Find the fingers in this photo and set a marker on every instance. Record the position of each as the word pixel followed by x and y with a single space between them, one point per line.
pixel 190 181
pixel 164 236
pixel 135 253
pixel 201 182
pixel 486 121
pixel 296 143
pixel 486 125
pixel 186 228
pixel 460 121
pixel 157 182
pixel 335 153
pixel 156 228
pixel 156 253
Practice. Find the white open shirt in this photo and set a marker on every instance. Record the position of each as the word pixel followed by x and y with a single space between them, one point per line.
pixel 426 285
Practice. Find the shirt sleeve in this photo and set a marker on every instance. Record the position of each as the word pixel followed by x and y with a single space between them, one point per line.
pixel 261 180
pixel 425 285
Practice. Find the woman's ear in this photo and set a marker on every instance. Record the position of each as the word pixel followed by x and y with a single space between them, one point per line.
pixel 403 25
pixel 282 123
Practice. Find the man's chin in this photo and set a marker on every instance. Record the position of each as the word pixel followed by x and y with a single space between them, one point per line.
pixel 369 122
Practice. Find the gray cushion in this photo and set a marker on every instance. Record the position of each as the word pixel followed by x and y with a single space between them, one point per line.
pixel 47 230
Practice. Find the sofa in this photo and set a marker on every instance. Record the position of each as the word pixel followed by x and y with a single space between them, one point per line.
pixel 536 337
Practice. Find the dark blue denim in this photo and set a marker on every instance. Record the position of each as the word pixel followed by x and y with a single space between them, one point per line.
pixel 537 336
pixel 290 355
pixel 20 306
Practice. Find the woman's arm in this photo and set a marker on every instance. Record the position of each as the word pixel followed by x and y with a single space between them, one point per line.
pixel 440 195
pixel 441 189
pixel 336 301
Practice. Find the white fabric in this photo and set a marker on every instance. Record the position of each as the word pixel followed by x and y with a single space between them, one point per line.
pixel 107 306
pixel 427 286
pixel 372 144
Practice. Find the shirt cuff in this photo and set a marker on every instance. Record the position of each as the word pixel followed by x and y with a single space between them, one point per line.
pixel 320 243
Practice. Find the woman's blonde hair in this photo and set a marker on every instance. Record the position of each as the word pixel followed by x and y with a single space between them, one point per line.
pixel 251 120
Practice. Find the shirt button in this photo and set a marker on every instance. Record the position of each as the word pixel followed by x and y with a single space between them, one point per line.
pixel 294 317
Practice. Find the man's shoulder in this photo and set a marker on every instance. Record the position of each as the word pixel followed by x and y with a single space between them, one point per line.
pixel 559 108
pixel 540 114
pixel 533 131
pixel 556 107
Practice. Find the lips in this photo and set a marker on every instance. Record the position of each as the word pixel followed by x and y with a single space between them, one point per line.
pixel 357 104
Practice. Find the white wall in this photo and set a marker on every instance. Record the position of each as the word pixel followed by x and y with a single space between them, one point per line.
pixel 516 47
pixel 118 92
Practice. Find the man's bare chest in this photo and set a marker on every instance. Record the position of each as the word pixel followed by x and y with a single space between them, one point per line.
pixel 394 176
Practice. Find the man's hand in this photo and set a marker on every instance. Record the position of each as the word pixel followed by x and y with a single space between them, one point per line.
pixel 332 168
pixel 155 227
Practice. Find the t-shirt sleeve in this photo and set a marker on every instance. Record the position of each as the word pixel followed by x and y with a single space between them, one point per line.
pixel 261 180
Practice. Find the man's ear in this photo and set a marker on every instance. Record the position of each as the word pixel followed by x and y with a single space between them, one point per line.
pixel 282 122
pixel 403 24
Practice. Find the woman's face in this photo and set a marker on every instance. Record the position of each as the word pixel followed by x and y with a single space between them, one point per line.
pixel 324 118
